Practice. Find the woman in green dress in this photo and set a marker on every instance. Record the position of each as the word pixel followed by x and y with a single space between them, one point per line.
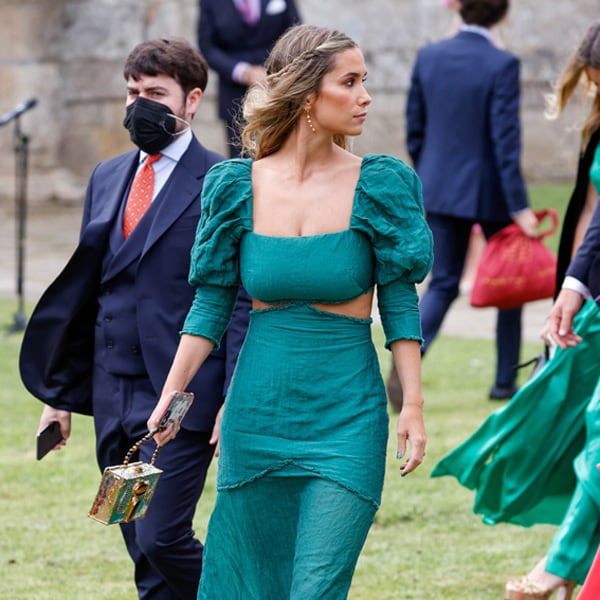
pixel 534 461
pixel 309 229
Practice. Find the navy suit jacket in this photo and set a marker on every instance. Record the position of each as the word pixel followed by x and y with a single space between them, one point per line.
pixel 585 265
pixel 225 40
pixel 463 129
pixel 57 351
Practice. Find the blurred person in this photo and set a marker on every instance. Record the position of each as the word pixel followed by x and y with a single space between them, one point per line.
pixel 455 25
pixel 235 36
pixel 102 337
pixel 555 415
pixel 309 229
pixel 464 137
pixel 477 240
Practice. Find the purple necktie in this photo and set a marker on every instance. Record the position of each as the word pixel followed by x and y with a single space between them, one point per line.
pixel 245 8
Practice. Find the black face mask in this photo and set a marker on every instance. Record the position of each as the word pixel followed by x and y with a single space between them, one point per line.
pixel 151 125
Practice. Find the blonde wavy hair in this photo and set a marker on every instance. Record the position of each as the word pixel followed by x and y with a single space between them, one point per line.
pixel 300 59
pixel 586 55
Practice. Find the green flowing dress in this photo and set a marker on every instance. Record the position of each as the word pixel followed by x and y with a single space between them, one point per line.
pixel 304 430
pixel 534 461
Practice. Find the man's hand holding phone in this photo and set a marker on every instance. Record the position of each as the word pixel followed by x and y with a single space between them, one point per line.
pixel 53 431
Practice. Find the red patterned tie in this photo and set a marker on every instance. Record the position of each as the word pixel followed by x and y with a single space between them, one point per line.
pixel 140 195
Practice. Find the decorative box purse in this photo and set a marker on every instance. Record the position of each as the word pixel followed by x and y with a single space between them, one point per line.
pixel 126 490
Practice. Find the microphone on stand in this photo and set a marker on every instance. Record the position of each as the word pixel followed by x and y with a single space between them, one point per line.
pixel 20 148
pixel 18 111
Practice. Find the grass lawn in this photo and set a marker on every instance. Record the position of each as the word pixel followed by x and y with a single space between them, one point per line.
pixel 426 544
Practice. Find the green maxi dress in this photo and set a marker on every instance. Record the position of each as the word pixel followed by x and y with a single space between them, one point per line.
pixel 534 460
pixel 304 430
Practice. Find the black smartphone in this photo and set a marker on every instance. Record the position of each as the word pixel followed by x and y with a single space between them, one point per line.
pixel 47 438
pixel 177 409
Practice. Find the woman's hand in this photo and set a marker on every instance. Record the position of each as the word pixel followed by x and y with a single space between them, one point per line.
pixel 162 435
pixel 191 353
pixel 411 428
pixel 411 434
pixel 527 221
pixel 216 432
pixel 560 321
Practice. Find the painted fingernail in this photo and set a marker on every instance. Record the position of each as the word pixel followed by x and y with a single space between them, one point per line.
pixel 399 455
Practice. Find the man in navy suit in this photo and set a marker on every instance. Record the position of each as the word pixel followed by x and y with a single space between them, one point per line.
pixel 103 336
pixel 236 36
pixel 463 135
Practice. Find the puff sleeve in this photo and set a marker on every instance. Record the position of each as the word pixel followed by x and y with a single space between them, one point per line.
pixel 390 211
pixel 214 268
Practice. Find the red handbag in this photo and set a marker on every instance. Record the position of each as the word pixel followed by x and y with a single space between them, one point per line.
pixel 515 269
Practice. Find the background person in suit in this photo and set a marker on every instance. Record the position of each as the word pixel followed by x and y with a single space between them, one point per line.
pixel 454 7
pixel 463 135
pixel 103 335
pixel 235 36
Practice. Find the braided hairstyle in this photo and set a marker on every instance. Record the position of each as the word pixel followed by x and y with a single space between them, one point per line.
pixel 300 59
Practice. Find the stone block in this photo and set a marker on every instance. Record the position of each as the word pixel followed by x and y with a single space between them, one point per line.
pixel 101 31
pixel 69 54
pixel 89 80
pixel 28 28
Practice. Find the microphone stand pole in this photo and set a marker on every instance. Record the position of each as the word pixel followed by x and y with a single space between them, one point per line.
pixel 21 146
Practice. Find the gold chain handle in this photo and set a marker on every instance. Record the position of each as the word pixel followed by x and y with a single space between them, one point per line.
pixel 139 444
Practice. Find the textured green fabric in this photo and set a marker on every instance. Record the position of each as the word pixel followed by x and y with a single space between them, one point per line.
pixel 313 529
pixel 534 460
pixel 595 169
pixel 306 401
pixel 306 390
pixel 387 211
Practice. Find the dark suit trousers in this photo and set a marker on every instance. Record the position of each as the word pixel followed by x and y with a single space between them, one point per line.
pixel 167 557
pixel 450 243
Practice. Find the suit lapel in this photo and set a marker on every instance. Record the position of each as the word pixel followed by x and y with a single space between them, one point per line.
pixel 113 189
pixel 182 188
pixel 185 185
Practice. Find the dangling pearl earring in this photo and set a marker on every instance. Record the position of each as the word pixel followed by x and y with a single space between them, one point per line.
pixel 309 120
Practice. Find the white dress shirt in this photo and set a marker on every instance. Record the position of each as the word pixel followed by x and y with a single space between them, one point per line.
pixel 170 157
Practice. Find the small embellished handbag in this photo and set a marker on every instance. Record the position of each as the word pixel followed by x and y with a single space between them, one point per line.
pixel 126 490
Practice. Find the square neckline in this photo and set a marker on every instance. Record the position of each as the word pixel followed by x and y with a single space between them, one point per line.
pixel 315 235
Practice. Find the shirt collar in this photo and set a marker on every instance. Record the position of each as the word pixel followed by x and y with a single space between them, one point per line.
pixel 176 148
pixel 484 31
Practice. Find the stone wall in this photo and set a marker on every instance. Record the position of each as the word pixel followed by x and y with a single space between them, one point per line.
pixel 69 55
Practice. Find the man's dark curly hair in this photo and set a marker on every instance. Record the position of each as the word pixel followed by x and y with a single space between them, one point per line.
pixel 483 12
pixel 173 57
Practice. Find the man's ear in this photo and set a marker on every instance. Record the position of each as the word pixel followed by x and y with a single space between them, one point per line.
pixel 193 101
